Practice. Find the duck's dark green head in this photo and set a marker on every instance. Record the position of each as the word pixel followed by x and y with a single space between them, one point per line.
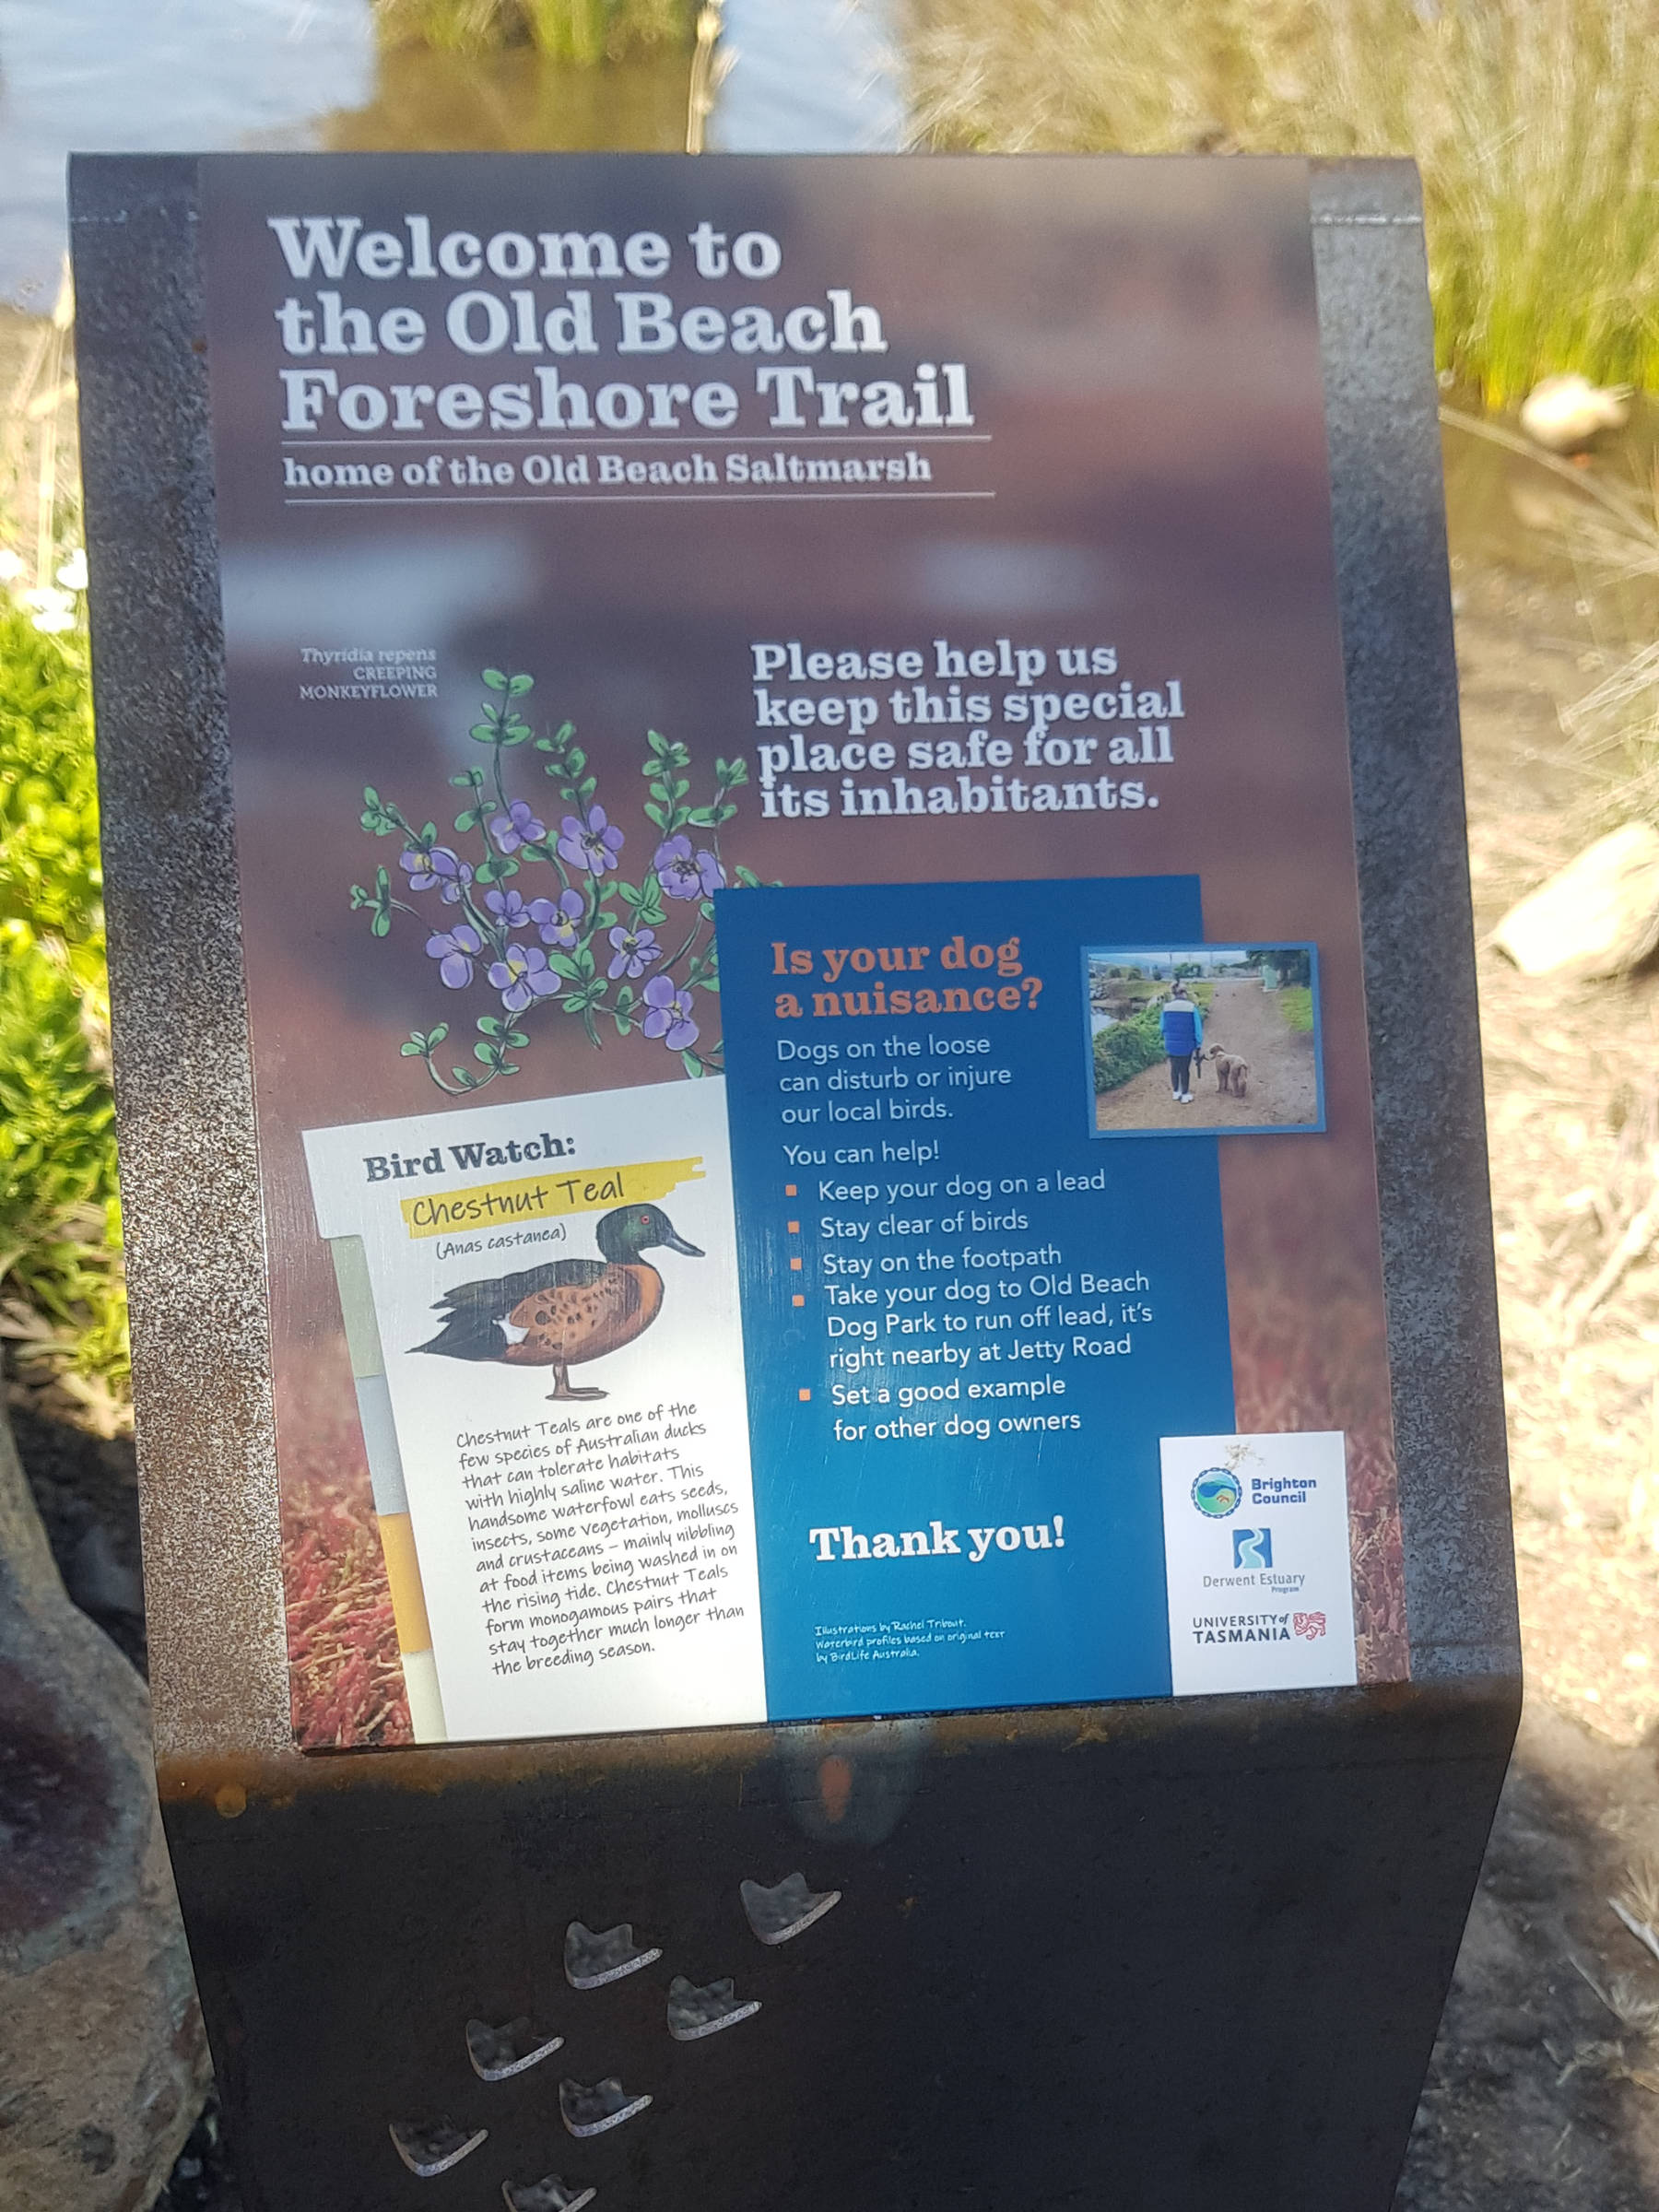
pixel 632 1230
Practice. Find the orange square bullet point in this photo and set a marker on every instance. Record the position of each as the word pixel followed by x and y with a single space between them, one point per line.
pixel 797 1299
pixel 789 1190
pixel 794 1267
pixel 804 1396
pixel 794 1228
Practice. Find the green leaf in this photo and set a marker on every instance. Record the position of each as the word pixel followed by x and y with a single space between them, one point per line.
pixel 515 1037
pixel 702 818
pixel 562 964
pixel 495 679
pixel 382 925
pixel 653 812
pixel 694 1066
pixel 747 878
pixel 437 1036
pixel 488 1025
pixel 415 1049
pixel 518 685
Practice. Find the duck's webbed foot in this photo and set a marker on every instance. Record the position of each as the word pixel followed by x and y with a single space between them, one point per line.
pixel 564 1388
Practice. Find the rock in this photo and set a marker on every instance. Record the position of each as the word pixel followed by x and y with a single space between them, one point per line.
pixel 1598 916
pixel 1565 413
pixel 103 2065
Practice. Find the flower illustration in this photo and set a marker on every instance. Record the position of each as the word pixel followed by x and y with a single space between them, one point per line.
pixel 438 868
pixel 521 975
pixel 592 843
pixel 510 907
pixel 454 951
pixel 518 827
pixel 670 1015
pixel 559 920
pixel 547 929
pixel 685 874
pixel 636 949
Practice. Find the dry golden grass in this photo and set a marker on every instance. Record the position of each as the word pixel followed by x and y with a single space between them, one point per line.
pixel 1535 123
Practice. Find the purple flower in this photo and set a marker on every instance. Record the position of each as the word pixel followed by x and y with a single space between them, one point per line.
pixel 684 875
pixel 454 951
pixel 438 868
pixel 636 949
pixel 523 974
pixel 517 827
pixel 558 919
pixel 593 844
pixel 509 906
pixel 670 1015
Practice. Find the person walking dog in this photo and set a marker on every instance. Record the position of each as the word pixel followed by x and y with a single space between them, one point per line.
pixel 1182 1031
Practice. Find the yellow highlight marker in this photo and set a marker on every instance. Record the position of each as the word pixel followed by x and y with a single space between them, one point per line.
pixel 542 1197
pixel 402 1573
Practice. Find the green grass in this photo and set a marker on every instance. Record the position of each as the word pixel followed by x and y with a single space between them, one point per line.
pixel 63 1297
pixel 1535 123
pixel 1296 1004
pixel 587 31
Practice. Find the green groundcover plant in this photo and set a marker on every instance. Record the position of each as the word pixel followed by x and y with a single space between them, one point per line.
pixel 63 1298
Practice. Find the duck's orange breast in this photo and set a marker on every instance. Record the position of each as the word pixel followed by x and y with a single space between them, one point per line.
pixel 584 1321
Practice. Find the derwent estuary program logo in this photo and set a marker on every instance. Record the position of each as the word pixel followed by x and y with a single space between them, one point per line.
pixel 1216 1492
pixel 1252 1547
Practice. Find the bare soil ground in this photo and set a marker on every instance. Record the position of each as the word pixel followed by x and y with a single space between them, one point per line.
pixel 1282 1089
pixel 1544 2090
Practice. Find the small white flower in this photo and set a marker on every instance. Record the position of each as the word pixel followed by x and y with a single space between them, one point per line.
pixel 73 574
pixel 53 610
pixel 11 565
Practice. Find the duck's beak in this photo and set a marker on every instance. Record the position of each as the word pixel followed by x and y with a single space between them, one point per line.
pixel 692 1252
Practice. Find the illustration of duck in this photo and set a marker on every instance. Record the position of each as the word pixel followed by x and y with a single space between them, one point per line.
pixel 568 1311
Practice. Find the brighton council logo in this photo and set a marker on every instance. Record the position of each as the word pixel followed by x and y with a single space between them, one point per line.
pixel 1311 1625
pixel 1253 1547
pixel 1217 1492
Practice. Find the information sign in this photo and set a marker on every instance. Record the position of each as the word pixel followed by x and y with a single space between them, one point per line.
pixel 798 891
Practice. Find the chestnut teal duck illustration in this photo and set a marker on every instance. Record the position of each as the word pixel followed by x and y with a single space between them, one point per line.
pixel 569 1311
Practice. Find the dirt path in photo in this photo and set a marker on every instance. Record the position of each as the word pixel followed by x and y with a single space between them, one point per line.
pixel 1283 1089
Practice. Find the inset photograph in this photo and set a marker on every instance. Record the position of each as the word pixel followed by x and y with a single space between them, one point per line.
pixel 1197 1039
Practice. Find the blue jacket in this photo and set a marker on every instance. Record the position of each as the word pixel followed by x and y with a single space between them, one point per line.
pixel 1182 1026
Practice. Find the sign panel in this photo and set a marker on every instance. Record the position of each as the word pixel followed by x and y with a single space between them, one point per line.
pixel 788 735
